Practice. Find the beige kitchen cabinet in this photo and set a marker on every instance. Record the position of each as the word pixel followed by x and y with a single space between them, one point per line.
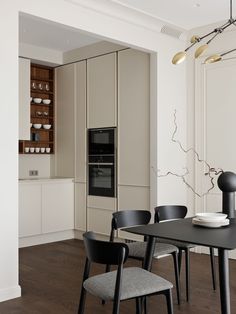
pixel 71 139
pixel 30 214
pixel 71 121
pixel 57 206
pixel 133 118
pixel 45 206
pixel 133 132
pixel 102 91
pixel 80 122
pixel 80 206
pixel 65 121
pixel 24 99
pixel 99 213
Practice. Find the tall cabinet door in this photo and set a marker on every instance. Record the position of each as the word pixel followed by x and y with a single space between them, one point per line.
pixel 24 99
pixel 101 91
pixel 133 130
pixel 65 124
pixel 80 147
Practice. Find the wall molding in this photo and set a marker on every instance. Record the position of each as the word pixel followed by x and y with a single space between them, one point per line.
pixel 132 15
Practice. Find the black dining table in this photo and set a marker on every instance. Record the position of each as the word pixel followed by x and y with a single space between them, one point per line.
pixel 223 239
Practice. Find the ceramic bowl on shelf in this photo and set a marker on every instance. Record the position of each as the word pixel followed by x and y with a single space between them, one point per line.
pixel 47 126
pixel 48 149
pixel 46 101
pixel 37 149
pixel 42 149
pixel 31 149
pixel 27 149
pixel 37 100
pixel 37 125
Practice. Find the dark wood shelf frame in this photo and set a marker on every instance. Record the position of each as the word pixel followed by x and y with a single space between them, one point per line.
pixel 41 74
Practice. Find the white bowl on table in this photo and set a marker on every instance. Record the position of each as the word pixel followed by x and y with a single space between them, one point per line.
pixel 211 216
pixel 37 125
pixel 37 100
pixel 47 126
pixel 46 101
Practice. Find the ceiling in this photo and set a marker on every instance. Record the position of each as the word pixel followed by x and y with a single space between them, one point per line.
pixel 43 33
pixel 186 14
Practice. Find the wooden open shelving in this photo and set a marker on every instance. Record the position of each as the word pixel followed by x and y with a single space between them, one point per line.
pixel 42 86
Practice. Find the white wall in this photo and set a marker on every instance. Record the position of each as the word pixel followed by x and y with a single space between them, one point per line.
pixel 222 43
pixel 171 87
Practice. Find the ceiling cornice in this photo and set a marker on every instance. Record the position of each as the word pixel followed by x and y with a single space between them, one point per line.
pixel 131 15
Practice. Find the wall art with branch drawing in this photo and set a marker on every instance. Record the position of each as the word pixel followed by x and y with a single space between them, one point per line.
pixel 210 174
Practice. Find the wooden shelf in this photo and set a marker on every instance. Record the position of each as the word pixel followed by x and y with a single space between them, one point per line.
pixel 44 75
pixel 38 142
pixel 42 117
pixel 38 91
pixel 41 130
pixel 41 104
pixel 38 79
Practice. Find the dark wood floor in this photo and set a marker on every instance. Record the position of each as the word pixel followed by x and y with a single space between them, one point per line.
pixel 50 277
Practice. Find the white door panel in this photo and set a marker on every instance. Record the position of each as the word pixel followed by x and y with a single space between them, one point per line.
pixel 215 128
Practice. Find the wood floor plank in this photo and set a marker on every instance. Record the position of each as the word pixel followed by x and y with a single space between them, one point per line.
pixel 50 278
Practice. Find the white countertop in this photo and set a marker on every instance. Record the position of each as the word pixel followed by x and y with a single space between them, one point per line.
pixel 47 179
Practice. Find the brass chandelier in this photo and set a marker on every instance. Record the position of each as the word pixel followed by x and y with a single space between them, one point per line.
pixel 181 56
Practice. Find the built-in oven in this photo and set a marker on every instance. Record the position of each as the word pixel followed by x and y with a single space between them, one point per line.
pixel 101 141
pixel 102 162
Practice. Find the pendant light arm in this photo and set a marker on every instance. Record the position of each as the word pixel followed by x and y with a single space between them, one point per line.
pixel 225 53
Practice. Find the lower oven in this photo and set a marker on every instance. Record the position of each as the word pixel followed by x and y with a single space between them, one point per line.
pixel 101 179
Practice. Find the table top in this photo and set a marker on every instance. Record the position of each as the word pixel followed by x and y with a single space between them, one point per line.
pixel 183 230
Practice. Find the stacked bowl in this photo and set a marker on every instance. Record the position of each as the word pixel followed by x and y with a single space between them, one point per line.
pixel 210 220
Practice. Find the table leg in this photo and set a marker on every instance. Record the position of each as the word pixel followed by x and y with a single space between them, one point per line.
pixel 224 281
pixel 147 264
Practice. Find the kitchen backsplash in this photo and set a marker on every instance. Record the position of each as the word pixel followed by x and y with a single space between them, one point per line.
pixel 43 164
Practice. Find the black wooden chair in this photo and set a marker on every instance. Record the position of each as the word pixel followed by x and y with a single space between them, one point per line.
pixel 169 212
pixel 137 250
pixel 123 284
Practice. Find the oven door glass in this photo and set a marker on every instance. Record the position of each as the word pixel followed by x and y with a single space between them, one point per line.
pixel 101 180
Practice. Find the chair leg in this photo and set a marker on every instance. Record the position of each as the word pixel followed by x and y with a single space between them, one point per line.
pixel 187 264
pixel 116 308
pixel 82 301
pixel 180 259
pixel 175 258
pixel 169 301
pixel 145 305
pixel 138 306
pixel 213 268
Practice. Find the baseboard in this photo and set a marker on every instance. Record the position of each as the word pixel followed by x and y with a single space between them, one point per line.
pixel 10 293
pixel 78 234
pixel 46 238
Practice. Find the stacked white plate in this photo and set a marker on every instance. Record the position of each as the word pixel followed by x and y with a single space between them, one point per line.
pixel 210 220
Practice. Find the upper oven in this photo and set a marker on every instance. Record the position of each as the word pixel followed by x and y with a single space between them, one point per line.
pixel 102 162
pixel 101 141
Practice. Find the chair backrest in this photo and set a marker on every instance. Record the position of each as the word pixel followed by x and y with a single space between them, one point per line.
pixel 102 252
pixel 129 218
pixel 169 212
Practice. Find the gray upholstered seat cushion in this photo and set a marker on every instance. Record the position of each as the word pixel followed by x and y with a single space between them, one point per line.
pixel 177 243
pixel 138 249
pixel 136 282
